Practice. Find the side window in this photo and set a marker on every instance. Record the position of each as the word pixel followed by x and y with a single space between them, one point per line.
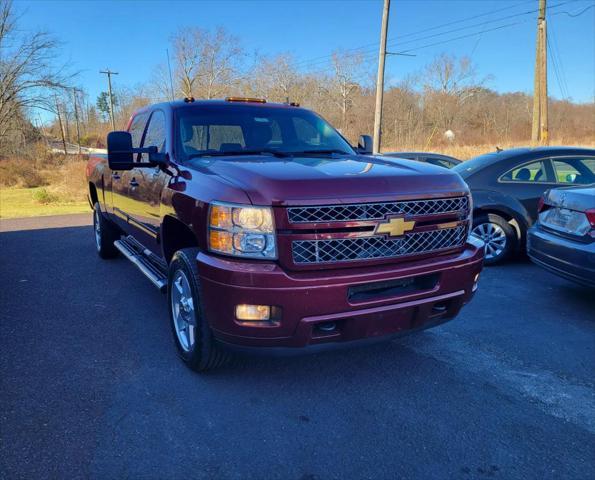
pixel 578 171
pixel 528 173
pixel 155 136
pixel 137 127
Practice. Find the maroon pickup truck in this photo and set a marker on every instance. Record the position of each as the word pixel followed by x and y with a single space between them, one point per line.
pixel 269 232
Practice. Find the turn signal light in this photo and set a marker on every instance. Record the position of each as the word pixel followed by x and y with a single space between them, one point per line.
pixel 220 240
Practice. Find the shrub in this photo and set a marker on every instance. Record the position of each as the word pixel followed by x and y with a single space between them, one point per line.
pixel 44 197
pixel 20 173
pixel 93 140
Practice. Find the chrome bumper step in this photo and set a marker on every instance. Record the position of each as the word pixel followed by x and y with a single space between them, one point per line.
pixel 145 261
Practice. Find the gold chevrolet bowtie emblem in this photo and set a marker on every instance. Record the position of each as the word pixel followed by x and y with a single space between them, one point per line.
pixel 395 227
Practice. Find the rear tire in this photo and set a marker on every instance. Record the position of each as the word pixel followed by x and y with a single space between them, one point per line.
pixel 192 334
pixel 105 233
pixel 499 236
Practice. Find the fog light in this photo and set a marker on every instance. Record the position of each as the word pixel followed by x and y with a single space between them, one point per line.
pixel 258 313
pixel 475 280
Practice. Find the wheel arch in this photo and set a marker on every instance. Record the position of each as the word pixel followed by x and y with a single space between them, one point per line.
pixel 513 218
pixel 175 235
pixel 93 197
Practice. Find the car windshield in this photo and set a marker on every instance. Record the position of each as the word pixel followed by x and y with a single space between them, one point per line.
pixel 220 130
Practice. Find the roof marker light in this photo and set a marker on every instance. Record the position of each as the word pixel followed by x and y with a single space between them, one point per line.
pixel 245 99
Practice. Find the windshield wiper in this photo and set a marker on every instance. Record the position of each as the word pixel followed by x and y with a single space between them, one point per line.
pixel 318 152
pixel 237 153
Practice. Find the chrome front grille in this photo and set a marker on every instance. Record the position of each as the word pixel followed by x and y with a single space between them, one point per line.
pixel 376 211
pixel 368 248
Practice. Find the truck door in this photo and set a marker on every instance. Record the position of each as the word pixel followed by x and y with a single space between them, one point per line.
pixel 121 179
pixel 145 187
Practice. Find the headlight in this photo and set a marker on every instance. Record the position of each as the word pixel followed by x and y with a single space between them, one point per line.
pixel 242 231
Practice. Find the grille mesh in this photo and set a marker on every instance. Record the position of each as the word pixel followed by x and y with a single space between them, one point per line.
pixel 376 211
pixel 366 248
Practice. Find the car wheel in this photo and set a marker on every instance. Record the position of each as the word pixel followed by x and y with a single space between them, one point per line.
pixel 192 334
pixel 105 234
pixel 498 235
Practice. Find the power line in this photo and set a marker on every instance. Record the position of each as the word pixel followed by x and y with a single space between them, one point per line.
pixel 576 14
pixel 414 49
pixel 400 37
pixel 366 49
pixel 557 63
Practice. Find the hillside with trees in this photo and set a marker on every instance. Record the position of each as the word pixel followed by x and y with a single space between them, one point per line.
pixel 447 95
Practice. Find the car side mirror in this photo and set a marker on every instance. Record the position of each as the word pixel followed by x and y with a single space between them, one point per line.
pixel 364 145
pixel 120 155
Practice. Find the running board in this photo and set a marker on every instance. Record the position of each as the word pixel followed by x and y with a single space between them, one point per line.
pixel 143 263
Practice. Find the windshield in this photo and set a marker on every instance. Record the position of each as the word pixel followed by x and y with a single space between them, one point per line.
pixel 242 129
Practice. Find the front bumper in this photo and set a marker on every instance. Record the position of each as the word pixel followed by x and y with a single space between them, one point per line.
pixel 307 299
pixel 566 258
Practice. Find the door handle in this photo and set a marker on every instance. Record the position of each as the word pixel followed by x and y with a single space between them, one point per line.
pixel 116 176
pixel 133 183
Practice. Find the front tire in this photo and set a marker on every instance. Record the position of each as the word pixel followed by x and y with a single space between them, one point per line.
pixel 192 335
pixel 499 237
pixel 105 234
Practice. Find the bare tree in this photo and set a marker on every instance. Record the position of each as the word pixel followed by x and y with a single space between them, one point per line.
pixel 207 64
pixel 27 71
pixel 187 46
pixel 220 66
pixel 348 71
pixel 276 78
pixel 448 83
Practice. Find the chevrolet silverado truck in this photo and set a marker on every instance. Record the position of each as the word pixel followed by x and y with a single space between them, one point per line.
pixel 269 232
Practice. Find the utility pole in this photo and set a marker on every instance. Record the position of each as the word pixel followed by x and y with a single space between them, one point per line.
pixel 76 118
pixel 540 130
pixel 60 124
pixel 380 78
pixel 109 74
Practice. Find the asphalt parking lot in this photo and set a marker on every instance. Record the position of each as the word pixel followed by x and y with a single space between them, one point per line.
pixel 91 386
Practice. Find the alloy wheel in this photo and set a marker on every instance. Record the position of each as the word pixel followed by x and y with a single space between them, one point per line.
pixel 494 238
pixel 182 307
pixel 97 225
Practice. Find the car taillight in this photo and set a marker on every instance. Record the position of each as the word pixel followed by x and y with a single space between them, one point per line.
pixel 541 206
pixel 591 216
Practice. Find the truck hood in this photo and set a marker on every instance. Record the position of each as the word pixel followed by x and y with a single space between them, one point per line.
pixel 310 180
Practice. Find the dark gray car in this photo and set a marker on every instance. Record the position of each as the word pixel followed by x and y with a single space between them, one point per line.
pixel 506 187
pixel 563 238
pixel 427 157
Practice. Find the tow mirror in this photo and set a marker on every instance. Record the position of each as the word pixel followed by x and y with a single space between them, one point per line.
pixel 120 154
pixel 119 151
pixel 364 145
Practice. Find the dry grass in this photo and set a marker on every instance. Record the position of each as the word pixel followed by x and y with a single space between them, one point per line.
pixel 466 152
pixel 42 183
